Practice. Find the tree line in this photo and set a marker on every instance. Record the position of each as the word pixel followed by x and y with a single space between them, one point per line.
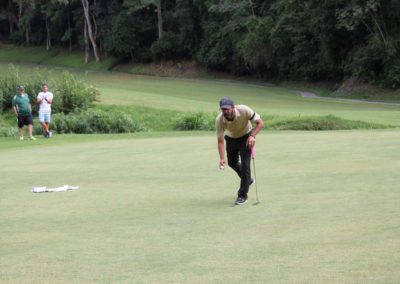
pixel 284 39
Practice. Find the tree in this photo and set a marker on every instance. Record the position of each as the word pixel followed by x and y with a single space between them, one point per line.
pixel 136 5
pixel 88 31
pixel 26 12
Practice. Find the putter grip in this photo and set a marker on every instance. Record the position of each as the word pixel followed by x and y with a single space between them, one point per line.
pixel 252 153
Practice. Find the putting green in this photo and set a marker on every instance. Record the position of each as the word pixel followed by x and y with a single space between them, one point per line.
pixel 157 209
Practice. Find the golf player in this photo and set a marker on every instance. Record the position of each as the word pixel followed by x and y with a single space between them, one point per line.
pixel 23 110
pixel 234 125
pixel 45 99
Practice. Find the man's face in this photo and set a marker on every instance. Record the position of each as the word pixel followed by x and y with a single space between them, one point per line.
pixel 20 91
pixel 45 88
pixel 228 113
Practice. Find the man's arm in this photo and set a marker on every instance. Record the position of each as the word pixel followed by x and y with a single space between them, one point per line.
pixel 221 151
pixel 257 129
pixel 15 110
pixel 39 98
pixel 251 141
pixel 14 106
pixel 49 99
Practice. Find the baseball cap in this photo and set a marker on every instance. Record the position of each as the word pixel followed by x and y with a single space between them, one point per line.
pixel 21 87
pixel 226 102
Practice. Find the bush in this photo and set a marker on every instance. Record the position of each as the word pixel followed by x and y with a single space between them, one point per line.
pixel 94 121
pixel 8 131
pixel 195 121
pixel 12 79
pixel 72 95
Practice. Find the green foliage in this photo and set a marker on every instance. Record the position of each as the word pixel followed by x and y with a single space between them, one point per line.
pixel 297 40
pixel 166 48
pixel 122 40
pixel 367 62
pixel 8 131
pixel 12 78
pixel 225 29
pixel 392 75
pixel 72 94
pixel 94 121
pixel 195 121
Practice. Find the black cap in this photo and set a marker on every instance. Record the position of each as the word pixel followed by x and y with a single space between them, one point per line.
pixel 226 102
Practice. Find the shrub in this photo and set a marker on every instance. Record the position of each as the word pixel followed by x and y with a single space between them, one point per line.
pixel 72 94
pixel 195 121
pixel 94 121
pixel 12 79
pixel 8 131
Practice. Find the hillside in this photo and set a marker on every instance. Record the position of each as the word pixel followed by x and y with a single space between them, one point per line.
pixel 349 89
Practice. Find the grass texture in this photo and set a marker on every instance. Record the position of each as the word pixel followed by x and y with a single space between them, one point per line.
pixel 192 95
pixel 153 207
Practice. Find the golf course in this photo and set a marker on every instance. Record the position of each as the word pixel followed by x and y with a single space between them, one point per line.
pixel 153 207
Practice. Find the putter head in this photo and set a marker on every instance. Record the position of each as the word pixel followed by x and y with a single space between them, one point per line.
pixel 256 203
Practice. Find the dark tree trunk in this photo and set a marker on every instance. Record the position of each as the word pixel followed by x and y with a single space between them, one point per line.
pixel 85 5
pixel 159 19
pixel 48 37
pixel 85 33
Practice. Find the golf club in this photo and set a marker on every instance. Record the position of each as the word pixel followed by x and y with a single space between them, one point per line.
pixel 255 176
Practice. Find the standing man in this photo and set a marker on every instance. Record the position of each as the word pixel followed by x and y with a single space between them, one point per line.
pixel 23 110
pixel 45 99
pixel 235 123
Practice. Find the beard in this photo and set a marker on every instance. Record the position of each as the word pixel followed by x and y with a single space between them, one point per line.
pixel 229 116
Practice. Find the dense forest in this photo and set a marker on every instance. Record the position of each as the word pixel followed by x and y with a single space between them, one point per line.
pixel 287 39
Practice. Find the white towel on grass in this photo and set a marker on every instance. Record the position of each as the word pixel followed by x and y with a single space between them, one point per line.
pixel 65 187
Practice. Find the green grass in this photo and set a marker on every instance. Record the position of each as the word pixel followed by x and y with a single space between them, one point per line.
pixel 154 208
pixel 55 56
pixel 202 95
pixel 157 209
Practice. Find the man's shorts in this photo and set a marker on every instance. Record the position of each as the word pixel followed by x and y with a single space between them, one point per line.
pixel 44 116
pixel 24 120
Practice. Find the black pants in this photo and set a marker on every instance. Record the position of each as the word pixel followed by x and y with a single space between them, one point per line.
pixel 235 148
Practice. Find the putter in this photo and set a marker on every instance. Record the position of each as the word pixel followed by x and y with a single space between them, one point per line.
pixel 255 176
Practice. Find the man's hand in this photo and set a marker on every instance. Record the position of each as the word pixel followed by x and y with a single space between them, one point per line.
pixel 251 141
pixel 222 164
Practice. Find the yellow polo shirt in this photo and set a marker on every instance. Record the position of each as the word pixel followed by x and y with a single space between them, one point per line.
pixel 241 124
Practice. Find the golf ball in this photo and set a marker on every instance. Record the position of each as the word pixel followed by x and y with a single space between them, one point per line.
pixel 221 167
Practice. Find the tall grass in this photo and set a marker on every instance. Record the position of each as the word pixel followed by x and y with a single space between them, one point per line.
pixel 328 122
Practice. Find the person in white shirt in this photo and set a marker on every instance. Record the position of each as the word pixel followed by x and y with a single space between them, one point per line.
pixel 45 99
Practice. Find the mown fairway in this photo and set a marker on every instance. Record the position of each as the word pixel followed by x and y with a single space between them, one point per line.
pixel 203 95
pixel 158 210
